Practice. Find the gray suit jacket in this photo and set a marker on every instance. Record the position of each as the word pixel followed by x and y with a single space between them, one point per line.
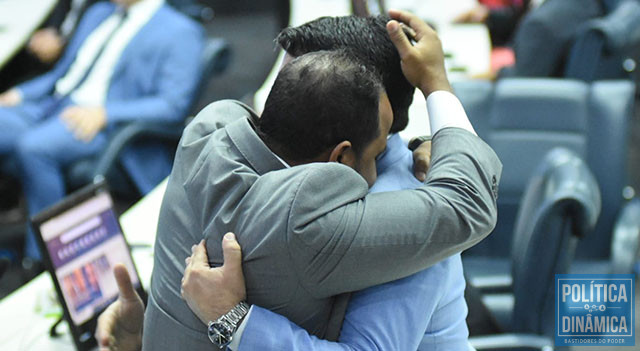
pixel 309 232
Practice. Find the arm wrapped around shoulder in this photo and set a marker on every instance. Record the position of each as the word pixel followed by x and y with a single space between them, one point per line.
pixel 346 240
pixel 465 173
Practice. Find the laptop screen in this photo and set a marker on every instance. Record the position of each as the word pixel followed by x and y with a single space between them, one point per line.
pixel 84 243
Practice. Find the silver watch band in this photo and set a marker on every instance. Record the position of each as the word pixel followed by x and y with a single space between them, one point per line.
pixel 237 313
pixel 221 330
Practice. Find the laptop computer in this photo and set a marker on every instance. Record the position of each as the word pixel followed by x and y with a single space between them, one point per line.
pixel 81 240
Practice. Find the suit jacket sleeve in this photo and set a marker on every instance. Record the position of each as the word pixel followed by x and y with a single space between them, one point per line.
pixel 178 77
pixel 342 239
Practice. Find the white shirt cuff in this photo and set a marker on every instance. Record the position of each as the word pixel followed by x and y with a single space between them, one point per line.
pixel 445 110
pixel 235 342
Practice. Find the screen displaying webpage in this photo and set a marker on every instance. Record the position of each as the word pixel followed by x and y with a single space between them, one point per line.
pixel 84 244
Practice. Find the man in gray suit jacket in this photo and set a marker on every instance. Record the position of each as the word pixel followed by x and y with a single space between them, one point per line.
pixel 310 231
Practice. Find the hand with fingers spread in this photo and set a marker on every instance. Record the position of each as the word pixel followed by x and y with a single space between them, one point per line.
pixel 85 122
pixel 212 292
pixel 120 325
pixel 422 63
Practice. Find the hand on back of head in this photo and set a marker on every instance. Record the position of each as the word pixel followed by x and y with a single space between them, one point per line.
pixel 423 62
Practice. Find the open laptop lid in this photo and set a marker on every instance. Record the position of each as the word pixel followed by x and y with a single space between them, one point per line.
pixel 81 240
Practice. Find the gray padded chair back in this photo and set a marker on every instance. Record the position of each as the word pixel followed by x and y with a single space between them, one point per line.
pixel 215 58
pixel 605 48
pixel 561 204
pixel 523 119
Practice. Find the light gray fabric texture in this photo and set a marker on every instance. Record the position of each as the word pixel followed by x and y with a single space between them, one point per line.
pixel 308 232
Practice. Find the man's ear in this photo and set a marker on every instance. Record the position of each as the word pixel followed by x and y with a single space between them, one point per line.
pixel 343 153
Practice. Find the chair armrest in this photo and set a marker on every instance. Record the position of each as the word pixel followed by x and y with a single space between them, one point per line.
pixel 131 132
pixel 493 284
pixel 625 244
pixel 511 341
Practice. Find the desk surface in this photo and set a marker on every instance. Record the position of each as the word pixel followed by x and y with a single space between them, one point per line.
pixel 18 19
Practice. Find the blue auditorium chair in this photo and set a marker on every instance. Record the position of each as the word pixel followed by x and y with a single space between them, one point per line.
pixel 522 119
pixel 560 206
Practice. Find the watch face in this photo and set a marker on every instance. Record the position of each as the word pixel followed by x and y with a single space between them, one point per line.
pixel 220 334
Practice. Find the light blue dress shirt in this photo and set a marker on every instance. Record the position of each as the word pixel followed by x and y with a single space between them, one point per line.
pixel 425 311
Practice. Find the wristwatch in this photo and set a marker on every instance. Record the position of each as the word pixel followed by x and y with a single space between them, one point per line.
pixel 417 141
pixel 221 330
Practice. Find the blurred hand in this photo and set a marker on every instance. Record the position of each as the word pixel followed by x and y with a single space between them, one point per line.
pixel 212 292
pixel 84 122
pixel 478 14
pixel 422 63
pixel 11 97
pixel 46 44
pixel 120 325
pixel 422 160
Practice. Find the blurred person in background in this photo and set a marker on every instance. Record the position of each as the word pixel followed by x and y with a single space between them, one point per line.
pixel 500 16
pixel 123 63
pixel 40 54
pixel 46 44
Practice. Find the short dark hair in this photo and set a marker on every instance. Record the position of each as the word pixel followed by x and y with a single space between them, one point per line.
pixel 319 100
pixel 367 37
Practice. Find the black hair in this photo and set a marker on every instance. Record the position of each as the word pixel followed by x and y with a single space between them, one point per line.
pixel 367 37
pixel 319 100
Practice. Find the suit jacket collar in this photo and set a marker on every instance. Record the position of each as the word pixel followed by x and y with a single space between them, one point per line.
pixel 252 148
